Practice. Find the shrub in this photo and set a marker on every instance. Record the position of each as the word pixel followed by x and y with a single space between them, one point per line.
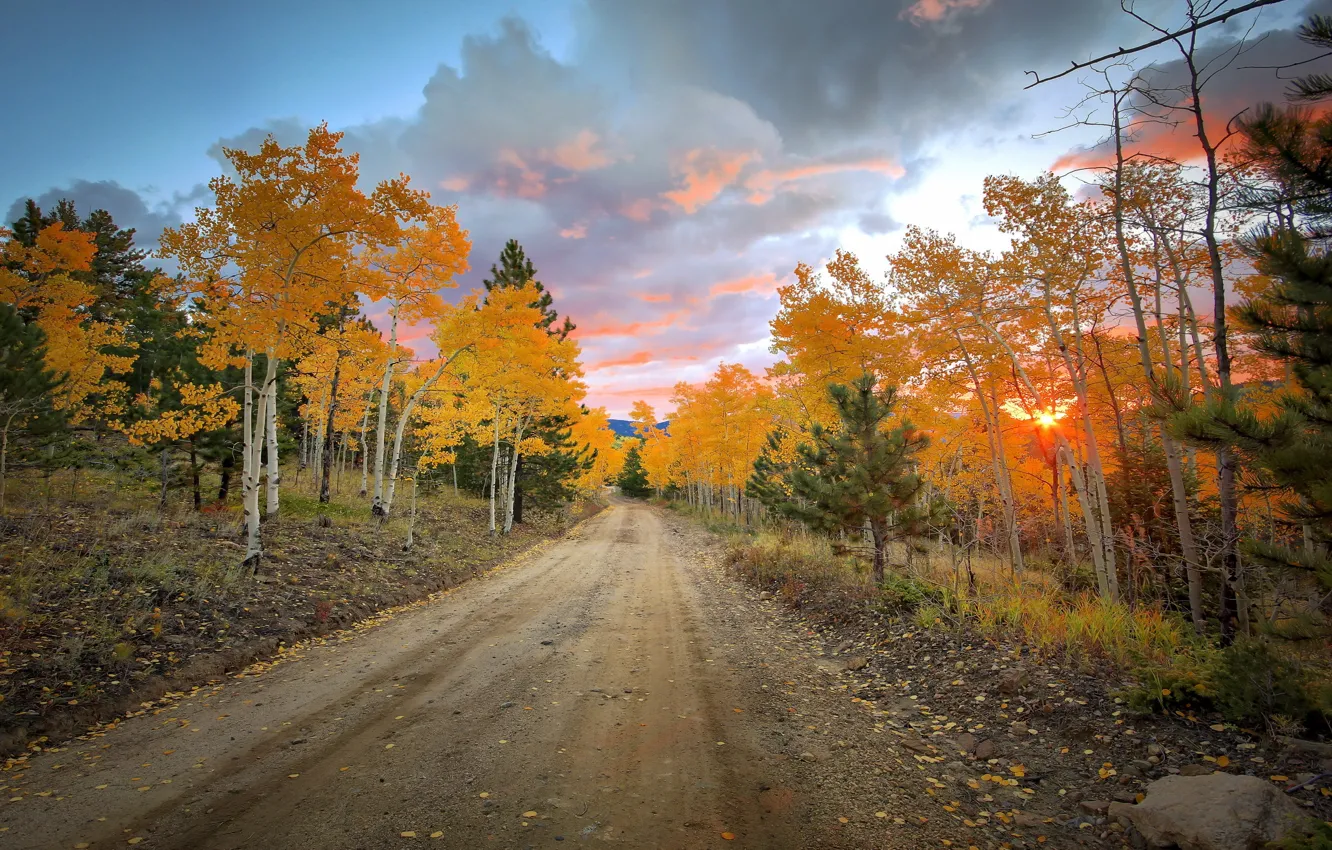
pixel 1253 683
pixel 1317 836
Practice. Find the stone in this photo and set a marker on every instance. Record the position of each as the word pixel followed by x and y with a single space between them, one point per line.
pixel 1014 682
pixel 1095 807
pixel 844 646
pixel 985 750
pixel 917 745
pixel 860 662
pixel 966 742
pixel 1028 821
pixel 765 596
pixel 1220 811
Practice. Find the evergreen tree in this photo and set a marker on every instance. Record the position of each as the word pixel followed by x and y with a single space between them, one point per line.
pixel 550 476
pixel 25 384
pixel 515 269
pixel 863 474
pixel 1291 321
pixel 633 478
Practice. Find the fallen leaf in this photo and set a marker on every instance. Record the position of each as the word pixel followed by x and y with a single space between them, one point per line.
pixel 135 840
pixel 388 746
pixel 292 775
pixel 484 794
pixel 408 834
pixel 843 820
pixel 1222 761
pixel 728 836
pixel 881 814
pixel 529 814
pixel 436 835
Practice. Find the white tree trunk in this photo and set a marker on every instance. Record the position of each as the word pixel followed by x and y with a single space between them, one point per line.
pixel 274 474
pixel 403 418
pixel 250 466
pixel 494 470
pixel 365 446
pixel 377 503
pixel 513 475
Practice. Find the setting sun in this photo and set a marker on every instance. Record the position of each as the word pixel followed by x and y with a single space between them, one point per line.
pixel 1045 420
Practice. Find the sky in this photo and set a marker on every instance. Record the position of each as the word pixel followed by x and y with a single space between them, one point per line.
pixel 665 163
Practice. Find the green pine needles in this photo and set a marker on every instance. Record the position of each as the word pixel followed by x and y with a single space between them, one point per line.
pixel 860 477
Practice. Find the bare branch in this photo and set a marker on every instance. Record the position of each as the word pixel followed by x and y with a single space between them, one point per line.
pixel 1168 36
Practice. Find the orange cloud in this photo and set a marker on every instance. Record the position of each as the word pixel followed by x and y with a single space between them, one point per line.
pixel 763 184
pixel 932 11
pixel 706 172
pixel 655 297
pixel 642 273
pixel 576 231
pixel 639 210
pixel 456 184
pixel 581 153
pixel 609 327
pixel 519 180
pixel 764 283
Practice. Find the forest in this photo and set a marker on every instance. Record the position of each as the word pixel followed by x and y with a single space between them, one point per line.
pixel 1111 437
pixel 1099 455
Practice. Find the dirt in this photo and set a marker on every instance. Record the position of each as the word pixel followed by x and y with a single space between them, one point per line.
pixel 616 687
pixel 103 607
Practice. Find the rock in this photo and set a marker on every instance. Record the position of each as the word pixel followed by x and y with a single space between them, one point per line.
pixel 547 642
pixel 1216 812
pixel 966 742
pixel 985 750
pixel 1017 727
pixel 1155 750
pixel 808 757
pixel 1196 770
pixel 860 662
pixel 765 596
pixel 917 745
pixel 1014 682
pixel 844 646
pixel 1028 821
pixel 1095 807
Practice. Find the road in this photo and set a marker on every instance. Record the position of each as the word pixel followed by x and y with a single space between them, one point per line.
pixel 580 696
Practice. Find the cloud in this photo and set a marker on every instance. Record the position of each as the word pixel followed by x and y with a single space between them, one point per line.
pixel 934 11
pixel 1240 77
pixel 127 207
pixel 678 160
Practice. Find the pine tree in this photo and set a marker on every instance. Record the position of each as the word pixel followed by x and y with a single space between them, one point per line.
pixel 862 474
pixel 632 480
pixel 543 473
pixel 25 383
pixel 515 269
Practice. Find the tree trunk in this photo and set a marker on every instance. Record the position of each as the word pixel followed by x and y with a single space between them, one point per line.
pixel 4 457
pixel 381 429
pixel 250 466
pixel 998 462
pixel 365 448
pixel 880 537
pixel 411 517
pixel 494 470
pixel 403 418
pixel 518 490
pixel 513 477
pixel 274 475
pixel 326 460
pixel 224 485
pixel 1178 494
pixel 194 478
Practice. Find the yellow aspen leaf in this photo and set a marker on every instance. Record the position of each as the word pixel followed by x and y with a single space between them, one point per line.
pixel 407 834
pixel 728 836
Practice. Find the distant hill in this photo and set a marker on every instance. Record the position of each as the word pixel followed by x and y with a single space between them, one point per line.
pixel 625 428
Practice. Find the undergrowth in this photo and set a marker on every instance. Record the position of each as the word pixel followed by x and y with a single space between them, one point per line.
pixel 1253 682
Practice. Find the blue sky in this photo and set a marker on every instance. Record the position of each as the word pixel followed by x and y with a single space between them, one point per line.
pixel 666 164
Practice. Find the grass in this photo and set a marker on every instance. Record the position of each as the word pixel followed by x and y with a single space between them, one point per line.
pixel 1031 607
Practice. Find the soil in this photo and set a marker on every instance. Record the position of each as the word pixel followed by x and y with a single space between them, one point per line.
pixel 617 686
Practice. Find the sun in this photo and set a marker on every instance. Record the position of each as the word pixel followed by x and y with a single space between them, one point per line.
pixel 1045 420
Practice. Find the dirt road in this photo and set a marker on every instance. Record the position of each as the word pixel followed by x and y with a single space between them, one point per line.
pixel 586 695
